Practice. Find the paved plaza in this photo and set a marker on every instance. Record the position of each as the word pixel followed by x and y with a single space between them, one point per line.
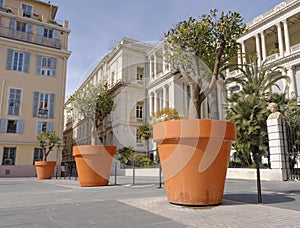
pixel 28 202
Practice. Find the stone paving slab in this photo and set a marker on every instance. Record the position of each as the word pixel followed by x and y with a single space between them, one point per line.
pixel 228 214
pixel 28 202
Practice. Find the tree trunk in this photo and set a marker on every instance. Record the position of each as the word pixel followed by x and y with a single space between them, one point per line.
pixel 195 105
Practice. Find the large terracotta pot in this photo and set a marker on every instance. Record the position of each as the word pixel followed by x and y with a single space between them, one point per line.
pixel 93 163
pixel 194 156
pixel 44 169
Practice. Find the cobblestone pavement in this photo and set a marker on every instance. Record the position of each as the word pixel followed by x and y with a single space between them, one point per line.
pixel 28 202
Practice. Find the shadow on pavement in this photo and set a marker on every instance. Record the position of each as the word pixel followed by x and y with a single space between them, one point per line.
pixel 252 199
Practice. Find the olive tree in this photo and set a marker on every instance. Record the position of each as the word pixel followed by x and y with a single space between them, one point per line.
pixel 94 104
pixel 197 49
pixel 47 141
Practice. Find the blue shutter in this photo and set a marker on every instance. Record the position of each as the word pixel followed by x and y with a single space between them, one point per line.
pixel 26 62
pixel 55 34
pixel 9 59
pixel 49 126
pixel 51 112
pixel 3 126
pixel 38 64
pixel 53 63
pixel 29 28
pixel 35 104
pixel 41 31
pixel 20 125
pixel 39 127
pixel 12 24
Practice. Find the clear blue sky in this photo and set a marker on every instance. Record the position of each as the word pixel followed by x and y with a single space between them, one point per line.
pixel 97 24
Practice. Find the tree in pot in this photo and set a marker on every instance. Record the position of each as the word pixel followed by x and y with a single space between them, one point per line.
pixel 197 50
pixel 93 162
pixel 47 141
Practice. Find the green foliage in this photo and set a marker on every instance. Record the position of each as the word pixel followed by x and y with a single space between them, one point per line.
pixel 165 115
pixel 129 157
pixel 144 131
pixel 199 48
pixel 125 155
pixel 141 160
pixel 95 99
pixel 48 140
pixel 248 108
pixel 203 37
pixel 94 104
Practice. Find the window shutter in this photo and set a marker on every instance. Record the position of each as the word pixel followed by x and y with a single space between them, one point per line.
pixel 39 127
pixel 55 34
pixel 3 126
pixel 29 28
pixel 49 126
pixel 35 104
pixel 9 59
pixel 51 112
pixel 41 31
pixel 38 64
pixel 26 62
pixel 53 63
pixel 20 125
pixel 12 23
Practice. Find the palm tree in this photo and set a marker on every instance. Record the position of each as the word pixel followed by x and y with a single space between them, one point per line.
pixel 247 109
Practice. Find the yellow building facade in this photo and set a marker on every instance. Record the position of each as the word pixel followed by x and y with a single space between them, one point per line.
pixel 34 54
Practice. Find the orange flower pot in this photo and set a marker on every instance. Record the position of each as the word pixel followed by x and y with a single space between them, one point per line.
pixel 93 163
pixel 44 169
pixel 194 157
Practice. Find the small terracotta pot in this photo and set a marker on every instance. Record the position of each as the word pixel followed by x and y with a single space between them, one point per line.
pixel 194 156
pixel 44 169
pixel 93 163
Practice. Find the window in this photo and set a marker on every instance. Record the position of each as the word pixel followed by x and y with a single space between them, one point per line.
pixel 20 26
pixel 17 61
pixel 9 156
pixel 38 154
pixel 11 126
pixel 14 102
pixel 139 75
pixel 43 105
pixel 46 66
pixel 27 10
pixel 139 111
pixel 43 126
pixel 1 3
pixel 48 33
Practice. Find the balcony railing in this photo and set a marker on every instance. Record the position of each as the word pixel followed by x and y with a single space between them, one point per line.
pixel 273 57
pixel 295 48
pixel 28 37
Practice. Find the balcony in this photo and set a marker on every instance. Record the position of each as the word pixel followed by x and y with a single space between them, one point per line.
pixel 30 38
pixel 295 48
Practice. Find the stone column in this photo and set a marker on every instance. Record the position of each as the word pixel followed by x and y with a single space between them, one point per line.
pixel 243 53
pixel 292 84
pixel 263 46
pixel 277 146
pixel 150 104
pixel 258 49
pixel 280 40
pixel 150 67
pixel 165 97
pixel 286 37
pixel 155 102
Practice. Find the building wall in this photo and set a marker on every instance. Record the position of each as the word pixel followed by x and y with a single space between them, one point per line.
pixel 50 79
pixel 118 70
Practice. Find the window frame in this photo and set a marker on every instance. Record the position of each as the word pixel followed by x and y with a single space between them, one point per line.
pixel 10 155
pixel 16 103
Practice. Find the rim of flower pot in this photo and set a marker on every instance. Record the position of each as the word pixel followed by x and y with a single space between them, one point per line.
pixel 194 128
pixel 86 149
